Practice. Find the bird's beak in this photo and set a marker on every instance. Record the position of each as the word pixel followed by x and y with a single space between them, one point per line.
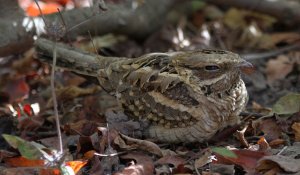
pixel 246 67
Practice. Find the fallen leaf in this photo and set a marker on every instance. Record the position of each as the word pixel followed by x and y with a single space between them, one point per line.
pixel 270 129
pixel 7 154
pixel 96 166
pixel 17 88
pixel 263 144
pixel 89 155
pixel 277 142
pixel 224 152
pixel 46 8
pixel 23 162
pixel 221 169
pixel 24 65
pixel 288 164
pixel 76 165
pixel 30 124
pixel 110 163
pixel 287 37
pixel 260 109
pixel 85 144
pixel 235 18
pixel 106 137
pixel 287 104
pixel 143 166
pixel 30 150
pixel 183 169
pixel 71 92
pixel 203 160
pixel 74 128
pixel 296 129
pixel 245 158
pixel 279 68
pixel 128 143
pixel 174 160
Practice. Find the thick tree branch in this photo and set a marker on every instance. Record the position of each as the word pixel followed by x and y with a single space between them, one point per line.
pixel 119 18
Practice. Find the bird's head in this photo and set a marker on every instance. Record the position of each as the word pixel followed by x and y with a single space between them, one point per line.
pixel 216 69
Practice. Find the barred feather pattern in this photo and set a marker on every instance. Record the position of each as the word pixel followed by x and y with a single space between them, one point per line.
pixel 166 90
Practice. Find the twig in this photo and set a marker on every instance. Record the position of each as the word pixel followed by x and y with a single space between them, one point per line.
pixel 56 32
pixel 241 136
pixel 55 100
pixel 281 151
pixel 272 53
pixel 110 155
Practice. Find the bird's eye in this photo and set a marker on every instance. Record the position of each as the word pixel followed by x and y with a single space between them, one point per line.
pixel 212 68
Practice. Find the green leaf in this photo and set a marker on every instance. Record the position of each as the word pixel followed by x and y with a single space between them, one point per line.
pixel 288 104
pixel 13 141
pixel 197 4
pixel 29 150
pixel 224 152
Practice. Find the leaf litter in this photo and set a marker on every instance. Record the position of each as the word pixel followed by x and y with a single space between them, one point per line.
pixel 85 109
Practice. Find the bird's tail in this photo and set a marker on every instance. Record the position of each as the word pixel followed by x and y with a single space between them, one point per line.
pixel 70 58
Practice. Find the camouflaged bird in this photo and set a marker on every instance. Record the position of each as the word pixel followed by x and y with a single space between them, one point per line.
pixel 185 96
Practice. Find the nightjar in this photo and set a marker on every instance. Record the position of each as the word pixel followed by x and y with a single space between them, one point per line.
pixel 184 96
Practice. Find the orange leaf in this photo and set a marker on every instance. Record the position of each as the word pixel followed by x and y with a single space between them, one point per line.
pixel 23 162
pixel 46 8
pixel 88 155
pixel 76 165
pixel 263 144
pixel 49 171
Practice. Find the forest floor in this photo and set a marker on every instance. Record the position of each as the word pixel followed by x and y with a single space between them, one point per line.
pixel 266 141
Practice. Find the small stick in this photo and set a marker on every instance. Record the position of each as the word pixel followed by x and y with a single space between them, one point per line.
pixel 241 136
pixel 55 100
pixel 56 37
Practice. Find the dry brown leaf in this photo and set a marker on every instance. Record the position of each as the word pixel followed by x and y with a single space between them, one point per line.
pixel 260 109
pixel 30 123
pixel 278 68
pixel 143 166
pixel 296 129
pixel 277 142
pixel 288 164
pixel 126 142
pixel 174 160
pixel 271 129
pixel 71 92
pixel 288 37
pixel 203 160
pixel 245 158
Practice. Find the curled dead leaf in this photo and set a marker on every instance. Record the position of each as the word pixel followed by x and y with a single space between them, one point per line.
pixel 129 143
pixel 143 164
pixel 285 163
